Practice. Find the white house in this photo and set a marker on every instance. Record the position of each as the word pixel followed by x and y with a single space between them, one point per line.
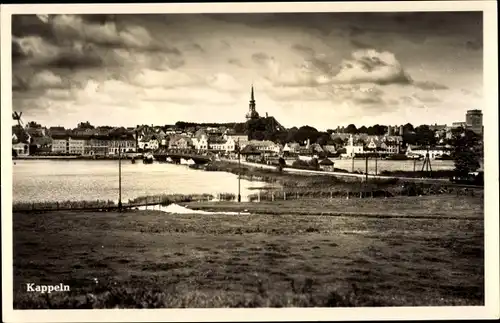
pixel 238 138
pixel 266 146
pixel 351 149
pixel 179 142
pixel 149 142
pixel 200 143
pixel 230 144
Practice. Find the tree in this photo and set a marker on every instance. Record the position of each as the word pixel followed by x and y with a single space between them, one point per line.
pixel 281 164
pixel 306 132
pixel 424 135
pixel 408 128
pixel 34 124
pixel 363 129
pixel 467 151
pixel 324 139
pixel 351 129
pixel 85 125
pixel 338 142
pixel 314 163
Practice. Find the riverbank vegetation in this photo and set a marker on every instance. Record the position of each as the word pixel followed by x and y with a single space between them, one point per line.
pixel 147 259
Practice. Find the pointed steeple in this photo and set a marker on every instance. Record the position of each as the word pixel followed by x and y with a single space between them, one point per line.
pixel 252 113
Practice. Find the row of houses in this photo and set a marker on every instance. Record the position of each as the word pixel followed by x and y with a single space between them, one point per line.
pixel 110 141
pixel 360 144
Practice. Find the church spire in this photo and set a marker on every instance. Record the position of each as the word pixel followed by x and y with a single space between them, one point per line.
pixel 252 113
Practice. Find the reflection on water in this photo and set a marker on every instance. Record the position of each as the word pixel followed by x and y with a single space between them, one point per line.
pixel 62 180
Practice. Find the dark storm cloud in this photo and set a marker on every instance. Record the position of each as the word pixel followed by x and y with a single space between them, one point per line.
pixel 19 84
pixel 17 53
pixel 305 50
pixel 476 44
pixel 235 61
pixel 195 47
pixel 31 25
pixel 429 85
pixel 105 31
pixel 260 58
pixel 67 61
pixel 360 44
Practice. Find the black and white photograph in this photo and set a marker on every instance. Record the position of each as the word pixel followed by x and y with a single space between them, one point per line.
pixel 228 156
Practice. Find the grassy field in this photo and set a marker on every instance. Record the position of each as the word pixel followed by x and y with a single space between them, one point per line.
pixel 142 259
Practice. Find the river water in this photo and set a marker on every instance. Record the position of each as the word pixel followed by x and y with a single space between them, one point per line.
pixel 63 180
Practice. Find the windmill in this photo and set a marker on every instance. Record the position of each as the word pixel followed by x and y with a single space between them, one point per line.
pixel 17 116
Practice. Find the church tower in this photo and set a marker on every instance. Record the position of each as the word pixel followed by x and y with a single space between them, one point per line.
pixel 252 113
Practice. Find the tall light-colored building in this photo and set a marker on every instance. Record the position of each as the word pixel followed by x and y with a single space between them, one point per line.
pixel 76 145
pixel 474 121
pixel 60 144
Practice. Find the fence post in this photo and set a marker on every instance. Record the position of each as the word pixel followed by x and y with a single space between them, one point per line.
pixel 258 196
pixel 146 203
pixel 331 195
pixel 272 196
pixel 284 196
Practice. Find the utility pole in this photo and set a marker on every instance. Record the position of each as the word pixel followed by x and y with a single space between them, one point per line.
pixel 119 177
pixel 366 169
pixel 352 164
pixel 376 159
pixel 239 172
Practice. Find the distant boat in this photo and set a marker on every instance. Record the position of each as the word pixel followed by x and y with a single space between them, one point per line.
pixel 187 161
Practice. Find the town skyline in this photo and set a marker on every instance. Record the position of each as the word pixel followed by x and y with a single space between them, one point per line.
pixel 323 70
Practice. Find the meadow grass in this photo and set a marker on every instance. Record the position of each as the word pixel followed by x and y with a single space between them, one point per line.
pixel 145 259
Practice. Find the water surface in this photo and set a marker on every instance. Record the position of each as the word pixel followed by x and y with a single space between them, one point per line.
pixel 62 180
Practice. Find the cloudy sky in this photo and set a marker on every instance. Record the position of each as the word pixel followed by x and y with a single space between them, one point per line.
pixel 323 69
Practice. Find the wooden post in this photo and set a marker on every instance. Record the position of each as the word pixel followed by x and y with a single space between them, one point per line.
pixel 352 165
pixel 414 164
pixel 258 196
pixel 331 195
pixel 272 196
pixel 284 196
pixel 119 178
pixel 376 161
pixel 366 169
